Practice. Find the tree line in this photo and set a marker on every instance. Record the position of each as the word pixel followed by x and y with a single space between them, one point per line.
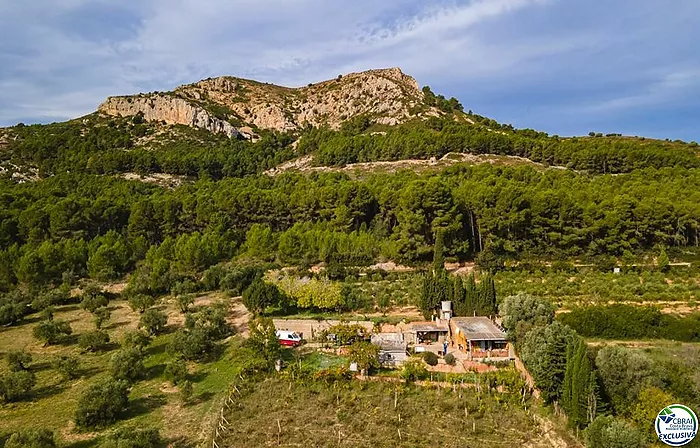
pixel 612 392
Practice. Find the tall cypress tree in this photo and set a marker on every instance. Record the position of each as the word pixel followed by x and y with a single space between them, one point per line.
pixel 438 249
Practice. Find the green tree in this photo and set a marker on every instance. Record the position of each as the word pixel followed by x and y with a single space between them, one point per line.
pixel 127 364
pixel 438 251
pixel 93 298
pixel 663 261
pixel 93 341
pixel 141 302
pixel 430 358
pixel 16 385
pixel 18 360
pixel 609 432
pixel 135 339
pixel 102 315
pixel 176 371
pixel 365 354
pixel 68 366
pixel 31 438
pixel 623 374
pixel 102 404
pixel 133 438
pixel 184 302
pixel 51 331
pixel 263 340
pixel 544 353
pixel 186 391
pixel 153 321
pixel 260 295
pixel 650 401
pixel 524 311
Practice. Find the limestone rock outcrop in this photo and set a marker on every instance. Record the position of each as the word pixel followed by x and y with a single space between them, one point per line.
pixel 168 108
pixel 386 96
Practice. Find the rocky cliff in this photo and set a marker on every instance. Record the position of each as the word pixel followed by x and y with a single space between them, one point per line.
pixel 168 108
pixel 237 106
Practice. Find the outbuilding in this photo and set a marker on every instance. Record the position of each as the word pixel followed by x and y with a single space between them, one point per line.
pixel 480 337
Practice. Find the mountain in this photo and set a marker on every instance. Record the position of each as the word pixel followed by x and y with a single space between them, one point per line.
pixel 240 107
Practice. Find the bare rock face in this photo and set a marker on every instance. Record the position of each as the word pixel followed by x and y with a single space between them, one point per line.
pixel 167 108
pixel 386 96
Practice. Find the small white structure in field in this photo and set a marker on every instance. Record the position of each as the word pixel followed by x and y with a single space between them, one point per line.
pixel 392 348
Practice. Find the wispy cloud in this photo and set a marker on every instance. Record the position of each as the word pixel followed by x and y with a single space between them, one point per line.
pixel 552 64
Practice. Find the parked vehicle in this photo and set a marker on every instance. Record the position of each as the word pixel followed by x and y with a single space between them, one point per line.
pixel 289 338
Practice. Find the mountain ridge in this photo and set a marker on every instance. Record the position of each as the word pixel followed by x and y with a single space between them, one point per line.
pixel 239 107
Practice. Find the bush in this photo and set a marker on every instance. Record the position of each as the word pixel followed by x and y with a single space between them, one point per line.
pixel 430 358
pixel 127 364
pixel 31 438
pixel 413 370
pixel 153 321
pixel 176 371
pixel 141 302
pixel 16 385
pixel 184 302
pixel 135 339
pixel 18 360
pixel 94 341
pixel 102 404
pixel 102 315
pixel 67 366
pixel 51 331
pixel 93 301
pixel 260 295
pixel 133 438
pixel 365 354
pixel 186 391
pixel 450 359
pixel 608 432
pixel 191 344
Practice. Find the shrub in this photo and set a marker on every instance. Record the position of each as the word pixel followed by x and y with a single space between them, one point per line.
pixel 176 371
pixel 413 370
pixel 16 385
pixel 186 391
pixel 102 315
pixel 259 295
pixel 365 354
pixel 450 359
pixel 18 360
pixel 94 341
pixel 31 438
pixel 133 438
pixel 191 344
pixel 430 358
pixel 606 432
pixel 67 366
pixel 184 302
pixel 102 403
pixel 153 321
pixel 141 302
pixel 93 298
pixel 346 334
pixel 135 339
pixel 127 364
pixel 51 331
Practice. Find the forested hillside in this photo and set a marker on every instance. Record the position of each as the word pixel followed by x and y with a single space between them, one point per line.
pixel 67 212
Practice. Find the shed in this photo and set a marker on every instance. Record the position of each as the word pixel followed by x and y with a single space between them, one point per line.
pixel 479 336
pixel 427 332
pixel 392 348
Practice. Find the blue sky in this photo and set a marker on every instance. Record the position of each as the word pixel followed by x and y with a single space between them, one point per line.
pixel 563 66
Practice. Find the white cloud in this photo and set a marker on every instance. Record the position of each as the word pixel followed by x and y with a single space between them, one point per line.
pixel 59 60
